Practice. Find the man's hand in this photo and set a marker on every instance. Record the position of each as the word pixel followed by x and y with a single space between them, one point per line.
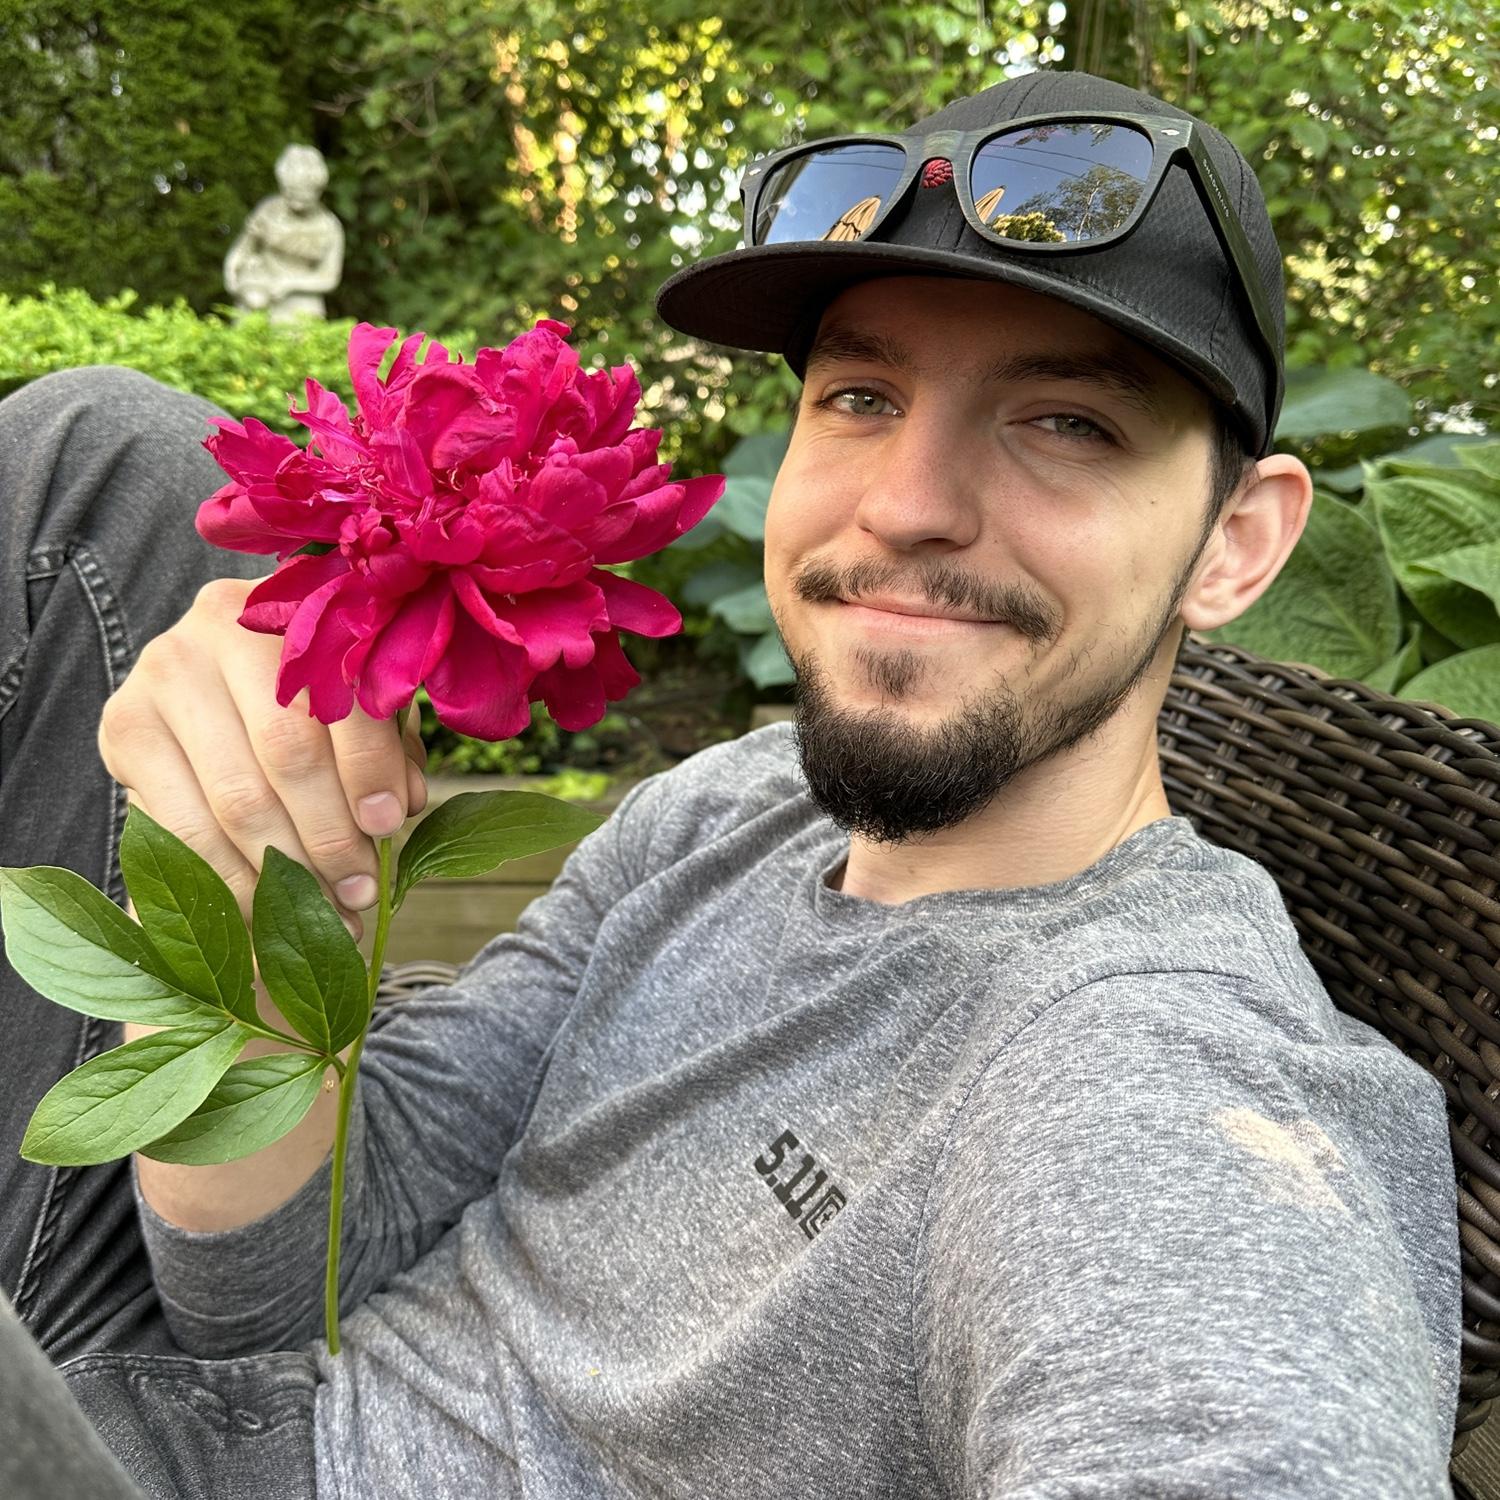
pixel 196 735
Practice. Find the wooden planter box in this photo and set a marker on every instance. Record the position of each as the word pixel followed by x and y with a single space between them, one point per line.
pixel 451 920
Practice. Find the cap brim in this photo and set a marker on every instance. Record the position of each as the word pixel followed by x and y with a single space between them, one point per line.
pixel 765 297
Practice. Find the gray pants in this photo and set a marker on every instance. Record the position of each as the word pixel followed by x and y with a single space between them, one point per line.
pixel 101 472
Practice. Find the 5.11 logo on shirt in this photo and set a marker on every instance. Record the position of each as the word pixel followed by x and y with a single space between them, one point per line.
pixel 795 1189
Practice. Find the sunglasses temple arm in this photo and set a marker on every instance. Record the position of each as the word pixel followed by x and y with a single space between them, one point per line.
pixel 1211 190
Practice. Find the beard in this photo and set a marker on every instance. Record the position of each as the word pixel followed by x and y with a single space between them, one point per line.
pixel 877 775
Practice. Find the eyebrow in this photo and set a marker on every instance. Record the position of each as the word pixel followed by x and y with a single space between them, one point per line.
pixel 1110 370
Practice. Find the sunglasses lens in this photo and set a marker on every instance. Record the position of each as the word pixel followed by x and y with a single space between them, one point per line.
pixel 1066 183
pixel 830 194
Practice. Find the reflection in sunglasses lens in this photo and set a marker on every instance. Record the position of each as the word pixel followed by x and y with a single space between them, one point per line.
pixel 1055 184
pixel 827 195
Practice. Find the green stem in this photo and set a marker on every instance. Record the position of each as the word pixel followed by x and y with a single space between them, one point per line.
pixel 272 1035
pixel 346 1102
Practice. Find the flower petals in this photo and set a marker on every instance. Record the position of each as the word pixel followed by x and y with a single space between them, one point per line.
pixel 555 623
pixel 577 697
pixel 273 602
pixel 479 685
pixel 406 650
pixel 466 508
pixel 634 607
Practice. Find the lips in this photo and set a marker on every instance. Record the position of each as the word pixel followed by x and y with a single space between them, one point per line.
pixel 917 608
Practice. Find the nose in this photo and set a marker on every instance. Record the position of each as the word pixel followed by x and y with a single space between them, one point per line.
pixel 919 490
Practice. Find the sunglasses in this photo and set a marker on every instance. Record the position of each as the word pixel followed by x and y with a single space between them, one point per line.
pixel 1043 185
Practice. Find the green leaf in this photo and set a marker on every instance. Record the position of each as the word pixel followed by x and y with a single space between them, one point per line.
pixel 1347 480
pixel 1476 567
pixel 309 964
pixel 72 944
pixel 743 506
pixel 1426 517
pixel 1310 135
pixel 1333 605
pixel 707 530
pixel 190 915
pixel 747 610
pixel 252 1105
pixel 1320 402
pixel 757 456
pixel 1389 675
pixel 472 833
pixel 1468 683
pixel 766 662
pixel 1482 457
pixel 717 579
pixel 1442 450
pixel 120 1100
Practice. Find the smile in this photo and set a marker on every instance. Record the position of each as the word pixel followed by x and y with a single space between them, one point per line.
pixel 903 619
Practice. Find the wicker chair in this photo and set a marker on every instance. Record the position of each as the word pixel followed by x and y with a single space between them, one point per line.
pixel 1380 820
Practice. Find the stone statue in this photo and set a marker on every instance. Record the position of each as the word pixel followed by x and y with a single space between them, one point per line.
pixel 291 249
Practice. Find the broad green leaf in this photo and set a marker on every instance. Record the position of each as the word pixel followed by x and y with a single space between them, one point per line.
pixel 120 1100
pixel 472 833
pixel 1477 567
pixel 747 610
pixel 309 964
pixel 1468 683
pixel 1439 450
pixel 72 944
pixel 1333 605
pixel 1423 518
pixel 757 456
pixel 743 506
pixel 1436 646
pixel 1347 480
pixel 253 1104
pixel 1320 402
pixel 1389 675
pixel 716 580
pixel 766 662
pixel 1483 458
pixel 707 530
pixel 189 914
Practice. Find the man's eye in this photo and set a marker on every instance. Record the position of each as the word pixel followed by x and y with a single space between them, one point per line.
pixel 858 401
pixel 1069 427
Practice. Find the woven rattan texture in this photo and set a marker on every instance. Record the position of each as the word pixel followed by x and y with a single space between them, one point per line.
pixel 1380 821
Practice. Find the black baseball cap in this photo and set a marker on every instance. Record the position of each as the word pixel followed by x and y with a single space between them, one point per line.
pixel 1169 283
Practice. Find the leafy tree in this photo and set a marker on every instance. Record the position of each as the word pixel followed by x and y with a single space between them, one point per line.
pixel 135 139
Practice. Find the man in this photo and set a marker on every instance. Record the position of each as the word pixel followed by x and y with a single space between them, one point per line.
pixel 906 1104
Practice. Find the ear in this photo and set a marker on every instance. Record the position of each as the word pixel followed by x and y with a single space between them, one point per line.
pixel 1251 542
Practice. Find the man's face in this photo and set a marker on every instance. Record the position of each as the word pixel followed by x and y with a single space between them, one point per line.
pixel 974 559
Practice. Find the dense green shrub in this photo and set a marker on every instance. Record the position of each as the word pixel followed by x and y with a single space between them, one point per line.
pixel 136 138
pixel 248 366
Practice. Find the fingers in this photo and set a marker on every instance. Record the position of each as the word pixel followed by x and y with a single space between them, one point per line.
pixel 223 801
pixel 196 732
pixel 161 781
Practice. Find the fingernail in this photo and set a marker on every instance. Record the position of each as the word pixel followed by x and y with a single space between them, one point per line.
pixel 357 891
pixel 355 927
pixel 380 814
pixel 419 793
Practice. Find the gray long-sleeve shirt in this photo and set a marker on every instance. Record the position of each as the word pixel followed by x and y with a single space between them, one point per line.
pixel 714 1181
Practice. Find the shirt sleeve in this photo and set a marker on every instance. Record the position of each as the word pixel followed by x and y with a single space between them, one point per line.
pixel 1173 1249
pixel 444 1083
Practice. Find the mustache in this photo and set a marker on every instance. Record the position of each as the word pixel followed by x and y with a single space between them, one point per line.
pixel 1022 609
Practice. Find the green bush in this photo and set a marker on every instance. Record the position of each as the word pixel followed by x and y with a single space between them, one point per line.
pixel 136 138
pixel 248 366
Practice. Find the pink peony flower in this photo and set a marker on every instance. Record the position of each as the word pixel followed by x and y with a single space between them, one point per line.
pixel 465 510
